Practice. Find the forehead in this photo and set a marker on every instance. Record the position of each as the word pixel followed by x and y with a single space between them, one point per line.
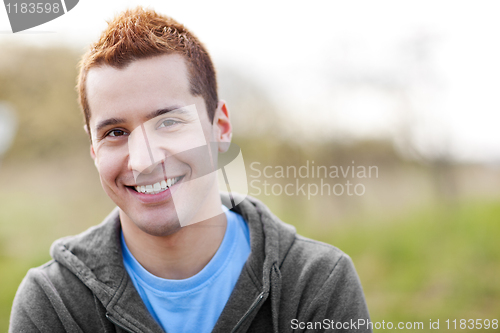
pixel 143 85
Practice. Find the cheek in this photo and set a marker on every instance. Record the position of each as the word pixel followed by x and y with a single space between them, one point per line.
pixel 110 163
pixel 190 138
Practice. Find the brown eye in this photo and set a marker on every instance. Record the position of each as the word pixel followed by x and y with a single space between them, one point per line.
pixel 116 133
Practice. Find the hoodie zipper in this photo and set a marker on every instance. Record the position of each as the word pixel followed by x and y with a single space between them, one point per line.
pixel 111 319
pixel 240 322
pixel 252 307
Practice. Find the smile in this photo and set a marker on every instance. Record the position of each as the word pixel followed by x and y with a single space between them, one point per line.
pixel 157 187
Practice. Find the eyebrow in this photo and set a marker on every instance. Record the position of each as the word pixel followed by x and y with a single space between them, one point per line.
pixel 115 121
pixel 108 122
pixel 175 108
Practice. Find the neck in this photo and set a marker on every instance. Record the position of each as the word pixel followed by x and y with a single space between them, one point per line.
pixel 179 255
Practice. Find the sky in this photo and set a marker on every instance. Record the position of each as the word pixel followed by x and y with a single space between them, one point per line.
pixel 425 72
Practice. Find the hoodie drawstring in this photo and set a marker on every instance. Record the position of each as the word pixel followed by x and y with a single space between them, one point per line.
pixel 275 295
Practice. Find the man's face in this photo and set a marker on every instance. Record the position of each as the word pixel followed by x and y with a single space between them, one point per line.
pixel 151 143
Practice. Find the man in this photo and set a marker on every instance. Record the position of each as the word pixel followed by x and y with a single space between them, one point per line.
pixel 171 257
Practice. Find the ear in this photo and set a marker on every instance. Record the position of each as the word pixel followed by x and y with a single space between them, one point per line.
pixel 93 155
pixel 86 129
pixel 92 151
pixel 223 127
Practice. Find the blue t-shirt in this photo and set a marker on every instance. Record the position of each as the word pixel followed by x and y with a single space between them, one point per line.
pixel 194 304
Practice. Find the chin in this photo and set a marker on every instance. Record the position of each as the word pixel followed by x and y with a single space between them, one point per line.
pixel 155 223
pixel 158 228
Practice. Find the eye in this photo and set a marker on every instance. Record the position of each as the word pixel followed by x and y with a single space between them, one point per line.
pixel 168 123
pixel 116 133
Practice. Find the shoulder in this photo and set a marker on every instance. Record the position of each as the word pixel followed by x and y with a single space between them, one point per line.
pixel 316 261
pixel 299 257
pixel 51 277
pixel 324 281
pixel 52 299
pixel 38 284
pixel 39 303
pixel 51 282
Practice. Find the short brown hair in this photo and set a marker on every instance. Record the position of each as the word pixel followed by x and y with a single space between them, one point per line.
pixel 142 33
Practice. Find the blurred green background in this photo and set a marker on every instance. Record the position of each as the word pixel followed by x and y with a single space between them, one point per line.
pixel 423 237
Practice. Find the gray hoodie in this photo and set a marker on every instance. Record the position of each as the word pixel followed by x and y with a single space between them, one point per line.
pixel 289 283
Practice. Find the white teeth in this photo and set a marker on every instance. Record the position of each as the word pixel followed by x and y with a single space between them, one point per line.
pixel 157 187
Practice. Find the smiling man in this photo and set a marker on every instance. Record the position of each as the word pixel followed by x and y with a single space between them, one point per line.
pixel 177 255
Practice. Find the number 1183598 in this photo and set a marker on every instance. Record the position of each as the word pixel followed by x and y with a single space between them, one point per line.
pixel 472 324
pixel 40 7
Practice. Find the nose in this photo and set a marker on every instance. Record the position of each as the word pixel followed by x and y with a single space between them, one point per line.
pixel 144 152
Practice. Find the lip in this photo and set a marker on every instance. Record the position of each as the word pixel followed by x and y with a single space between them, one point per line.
pixel 155 198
